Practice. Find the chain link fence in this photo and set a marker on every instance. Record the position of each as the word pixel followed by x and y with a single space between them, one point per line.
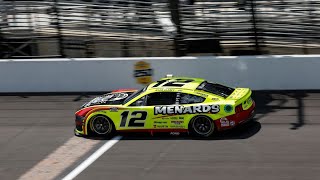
pixel 136 28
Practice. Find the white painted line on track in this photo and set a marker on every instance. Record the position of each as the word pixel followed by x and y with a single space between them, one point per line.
pixel 60 159
pixel 92 158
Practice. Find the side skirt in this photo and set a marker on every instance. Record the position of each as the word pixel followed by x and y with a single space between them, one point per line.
pixel 153 130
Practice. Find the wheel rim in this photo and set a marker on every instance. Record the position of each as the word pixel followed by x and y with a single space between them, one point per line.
pixel 203 125
pixel 101 125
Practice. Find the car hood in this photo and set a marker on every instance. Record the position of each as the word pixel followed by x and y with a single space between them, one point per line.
pixel 113 98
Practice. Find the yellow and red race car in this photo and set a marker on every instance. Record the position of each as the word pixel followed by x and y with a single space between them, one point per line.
pixel 172 104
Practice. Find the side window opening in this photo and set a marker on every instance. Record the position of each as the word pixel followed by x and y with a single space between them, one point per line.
pixel 158 98
pixel 135 94
pixel 161 98
pixel 140 102
pixel 184 98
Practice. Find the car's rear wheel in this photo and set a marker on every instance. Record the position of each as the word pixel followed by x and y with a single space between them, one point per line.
pixel 201 126
pixel 101 125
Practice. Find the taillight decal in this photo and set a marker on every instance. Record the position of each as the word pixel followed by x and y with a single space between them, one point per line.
pixel 239 108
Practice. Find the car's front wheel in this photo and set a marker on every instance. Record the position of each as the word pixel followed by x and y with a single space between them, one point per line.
pixel 101 125
pixel 201 126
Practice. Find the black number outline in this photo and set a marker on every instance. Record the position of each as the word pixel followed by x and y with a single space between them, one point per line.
pixel 132 121
pixel 177 82
pixel 143 117
pixel 124 117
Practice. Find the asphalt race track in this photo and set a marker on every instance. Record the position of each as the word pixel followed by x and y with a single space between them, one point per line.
pixel 283 144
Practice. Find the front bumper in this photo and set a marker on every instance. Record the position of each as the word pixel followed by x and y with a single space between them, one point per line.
pixel 78 133
pixel 79 130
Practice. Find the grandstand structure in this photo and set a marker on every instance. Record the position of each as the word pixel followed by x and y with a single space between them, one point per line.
pixel 136 28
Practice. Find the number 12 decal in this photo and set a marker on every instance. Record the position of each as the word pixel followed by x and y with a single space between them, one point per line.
pixel 132 121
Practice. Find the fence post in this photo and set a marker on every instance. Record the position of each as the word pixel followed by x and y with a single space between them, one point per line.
pixel 1 35
pixel 255 29
pixel 2 49
pixel 175 17
pixel 308 21
pixel 60 40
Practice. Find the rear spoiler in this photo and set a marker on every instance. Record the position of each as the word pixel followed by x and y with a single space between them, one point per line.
pixel 240 94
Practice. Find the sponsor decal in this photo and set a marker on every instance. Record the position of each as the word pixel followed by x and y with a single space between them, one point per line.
pixel 228 108
pixel 201 94
pixel 177 122
pixel 232 123
pixel 177 126
pixel 160 122
pixel 143 72
pixel 224 122
pixel 165 118
pixel 165 89
pixel 186 110
pixel 215 99
pixel 113 109
pixel 169 117
pixel 162 126
pixel 175 133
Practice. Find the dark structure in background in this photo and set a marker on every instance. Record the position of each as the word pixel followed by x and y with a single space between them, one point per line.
pixel 135 28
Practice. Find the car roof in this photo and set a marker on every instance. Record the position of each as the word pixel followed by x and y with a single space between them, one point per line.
pixel 192 84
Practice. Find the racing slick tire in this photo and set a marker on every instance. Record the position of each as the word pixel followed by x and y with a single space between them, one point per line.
pixel 101 126
pixel 201 126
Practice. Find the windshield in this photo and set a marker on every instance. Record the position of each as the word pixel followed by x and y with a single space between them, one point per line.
pixel 132 96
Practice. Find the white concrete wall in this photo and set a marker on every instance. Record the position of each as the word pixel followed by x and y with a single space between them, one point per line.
pixel 105 74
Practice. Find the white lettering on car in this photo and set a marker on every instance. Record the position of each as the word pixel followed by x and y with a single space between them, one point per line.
pixel 197 109
pixel 187 110
pixel 170 110
pixel 215 108
pixel 178 110
pixel 160 110
pixel 206 109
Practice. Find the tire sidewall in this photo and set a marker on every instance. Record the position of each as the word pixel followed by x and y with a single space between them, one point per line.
pixel 93 132
pixel 195 133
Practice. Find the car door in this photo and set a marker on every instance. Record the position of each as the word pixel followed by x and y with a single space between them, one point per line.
pixel 140 114
pixel 160 101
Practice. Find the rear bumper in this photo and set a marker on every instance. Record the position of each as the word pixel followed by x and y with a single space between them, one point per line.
pixel 237 119
pixel 249 118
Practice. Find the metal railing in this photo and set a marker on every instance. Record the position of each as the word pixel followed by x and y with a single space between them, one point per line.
pixel 119 28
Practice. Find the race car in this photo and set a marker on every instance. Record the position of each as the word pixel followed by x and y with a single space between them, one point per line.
pixel 171 104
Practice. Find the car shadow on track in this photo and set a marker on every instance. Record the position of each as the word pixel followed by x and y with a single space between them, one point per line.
pixel 263 100
pixel 242 132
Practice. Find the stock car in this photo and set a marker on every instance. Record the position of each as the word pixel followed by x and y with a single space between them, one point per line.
pixel 171 104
